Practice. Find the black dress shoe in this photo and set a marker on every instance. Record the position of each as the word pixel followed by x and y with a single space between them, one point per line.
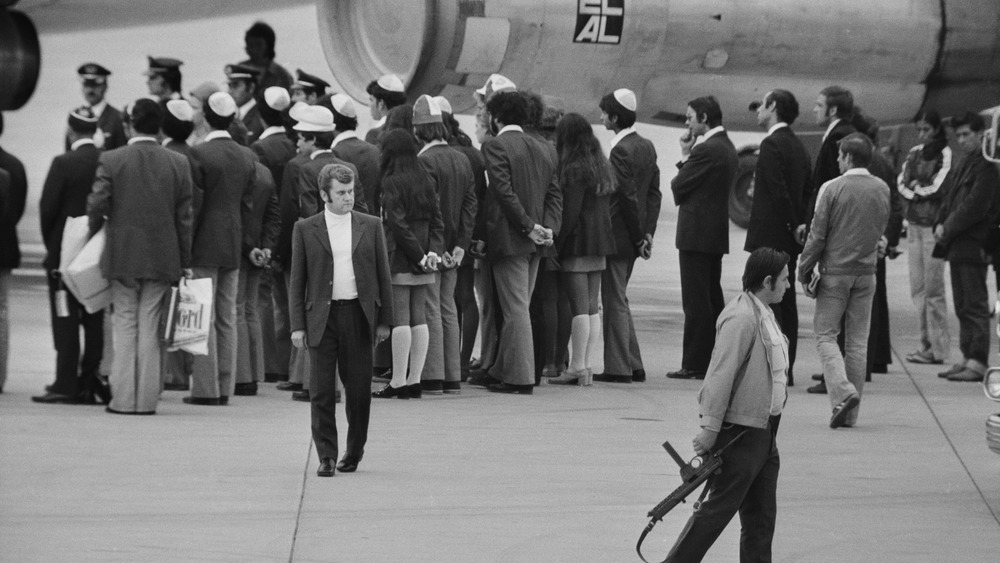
pixel 206 401
pixel 639 376
pixel 246 389
pixel 275 377
pixel 348 464
pixel 176 386
pixel 288 386
pixel 302 395
pixel 452 387
pixel 512 389
pixel 388 392
pixel 51 398
pixel 685 373
pixel 483 379
pixel 611 378
pixel 325 468
pixel 415 390
pixel 880 368
pixel 432 386
pixel 818 389
pixel 113 411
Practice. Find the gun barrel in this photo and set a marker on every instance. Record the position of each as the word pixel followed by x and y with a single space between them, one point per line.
pixel 673 453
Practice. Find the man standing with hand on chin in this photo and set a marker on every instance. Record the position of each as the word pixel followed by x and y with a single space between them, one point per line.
pixel 340 303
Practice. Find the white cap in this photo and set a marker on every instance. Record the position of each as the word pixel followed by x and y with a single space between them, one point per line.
pixel 426 110
pixel 277 98
pixel 626 98
pixel 181 109
pixel 316 119
pixel 222 104
pixel 391 82
pixel 344 105
pixel 443 103
pixel 296 111
pixel 495 83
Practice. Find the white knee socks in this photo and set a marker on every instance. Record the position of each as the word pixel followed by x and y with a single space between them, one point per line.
pixel 578 343
pixel 594 340
pixel 401 337
pixel 418 353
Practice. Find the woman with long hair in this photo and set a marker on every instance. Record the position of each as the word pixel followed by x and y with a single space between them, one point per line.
pixel 920 182
pixel 414 238
pixel 587 182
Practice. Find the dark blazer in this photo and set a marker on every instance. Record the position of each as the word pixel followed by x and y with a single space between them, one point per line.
pixel 254 124
pixel 523 191
pixel 288 205
pixel 478 164
pixel 969 205
pixel 4 192
pixel 178 147
pixel 410 234
pixel 10 251
pixel 112 124
pixel 274 151
pixel 827 168
pixel 882 169
pixel 456 189
pixel 635 205
pixel 586 217
pixel 223 173
pixel 144 190
pixel 374 135
pixel 307 184
pixel 782 187
pixel 365 158
pixel 64 195
pixel 262 232
pixel 309 289
pixel 701 192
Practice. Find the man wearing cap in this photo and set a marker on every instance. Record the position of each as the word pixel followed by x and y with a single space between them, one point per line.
pixel 242 81
pixel 635 208
pixel 110 132
pixel 258 44
pixel 64 195
pixel 349 147
pixel 10 252
pixel 144 192
pixel 307 87
pixel 164 78
pixel 701 191
pixel 523 209
pixel 223 173
pixel 383 94
pixel 455 188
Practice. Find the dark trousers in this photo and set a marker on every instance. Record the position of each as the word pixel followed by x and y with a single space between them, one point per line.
pixel 879 343
pixel 70 367
pixel 346 346
pixel 701 298
pixel 787 314
pixel 968 286
pixel 747 483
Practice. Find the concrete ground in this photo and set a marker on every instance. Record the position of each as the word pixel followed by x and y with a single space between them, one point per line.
pixel 565 475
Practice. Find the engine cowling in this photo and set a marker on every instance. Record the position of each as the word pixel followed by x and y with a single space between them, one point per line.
pixel 20 59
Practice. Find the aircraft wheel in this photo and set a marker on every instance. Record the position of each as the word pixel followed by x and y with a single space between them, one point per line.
pixel 741 196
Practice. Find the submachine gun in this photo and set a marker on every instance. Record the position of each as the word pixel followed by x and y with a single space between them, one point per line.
pixel 693 474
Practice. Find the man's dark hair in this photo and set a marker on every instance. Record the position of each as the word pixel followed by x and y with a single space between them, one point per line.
pixel 427 132
pixel 970 118
pixel 709 107
pixel 859 147
pixel 763 262
pixel 172 76
pixel 323 139
pixel 509 108
pixel 216 121
pixel 344 123
pixel 390 99
pixel 81 127
pixel 146 116
pixel 865 124
pixel 785 105
pixel 174 128
pixel 265 32
pixel 270 116
pixel 839 98
pixel 536 108
pixel 610 106
pixel 932 148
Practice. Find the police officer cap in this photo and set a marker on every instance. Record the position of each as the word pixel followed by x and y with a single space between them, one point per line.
pixel 81 117
pixel 310 81
pixel 93 74
pixel 277 98
pixel 241 72
pixel 160 65
pixel 344 105
pixel 426 110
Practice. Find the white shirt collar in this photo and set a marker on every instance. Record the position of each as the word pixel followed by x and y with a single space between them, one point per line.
pixel 272 130
pixel 218 134
pixel 437 143
pixel 352 134
pixel 80 142
pixel 142 139
pixel 857 172
pixel 245 108
pixel 830 127
pixel 776 126
pixel 621 135
pixel 315 153
pixel 379 123
pixel 98 108
pixel 508 128
pixel 712 132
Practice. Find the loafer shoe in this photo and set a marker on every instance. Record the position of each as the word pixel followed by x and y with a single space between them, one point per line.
pixel 685 373
pixel 348 464
pixel 512 389
pixel 114 411
pixel 204 401
pixel 176 386
pixel 922 357
pixel 302 395
pixel 415 391
pixel 288 386
pixel 966 375
pixel 246 389
pixel 639 376
pixel 389 392
pixel 325 468
pixel 452 387
pixel 952 370
pixel 275 377
pixel 483 379
pixel 840 412
pixel 51 398
pixel 818 389
pixel 432 387
pixel 612 378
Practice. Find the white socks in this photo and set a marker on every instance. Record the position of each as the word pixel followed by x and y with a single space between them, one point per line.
pixel 418 353
pixel 578 343
pixel 401 336
pixel 594 343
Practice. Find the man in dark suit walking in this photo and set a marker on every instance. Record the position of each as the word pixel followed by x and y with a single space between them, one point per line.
pixel 340 298
pixel 144 192
pixel 782 188
pixel 701 191
pixel 10 251
pixel 64 195
pixel 635 207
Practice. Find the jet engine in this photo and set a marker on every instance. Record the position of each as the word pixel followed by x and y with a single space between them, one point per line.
pixel 20 57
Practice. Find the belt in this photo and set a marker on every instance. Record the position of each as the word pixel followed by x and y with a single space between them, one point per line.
pixel 343 302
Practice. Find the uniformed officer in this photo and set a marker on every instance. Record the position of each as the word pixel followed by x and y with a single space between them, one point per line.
pixel 164 78
pixel 242 81
pixel 110 132
pixel 307 88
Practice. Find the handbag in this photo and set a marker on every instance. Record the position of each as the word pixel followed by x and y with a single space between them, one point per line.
pixel 188 316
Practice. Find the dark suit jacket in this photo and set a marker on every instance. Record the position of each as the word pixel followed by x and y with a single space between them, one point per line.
pixel 10 251
pixel 365 157
pixel 701 192
pixel 310 286
pixel 179 147
pixel 586 224
pixel 64 195
pixel 288 205
pixel 635 205
pixel 144 190
pixel 254 124
pixel 827 168
pixel 969 205
pixel 452 175
pixel 223 173
pixel 112 124
pixel 523 191
pixel 4 192
pixel 274 151
pixel 266 219
pixel 782 188
pixel 478 164
pixel 882 169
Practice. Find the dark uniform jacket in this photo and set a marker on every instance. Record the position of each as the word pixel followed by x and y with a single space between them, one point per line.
pixel 17 194
pixel 112 124
pixel 701 192
pixel 523 191
pixel 144 190
pixel 586 217
pixel 452 175
pixel 365 158
pixel 254 124
pixel 266 219
pixel 274 151
pixel 827 168
pixel 969 209
pixel 410 234
pixel 478 164
pixel 635 205
pixel 64 195
pixel 223 173
pixel 178 147
pixel 782 188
